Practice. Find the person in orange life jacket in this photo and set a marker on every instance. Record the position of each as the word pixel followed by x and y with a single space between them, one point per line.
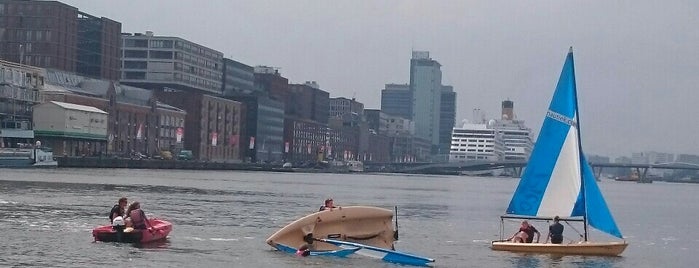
pixel 137 216
pixel 118 209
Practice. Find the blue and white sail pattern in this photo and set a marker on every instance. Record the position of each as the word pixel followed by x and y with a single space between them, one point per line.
pixel 551 184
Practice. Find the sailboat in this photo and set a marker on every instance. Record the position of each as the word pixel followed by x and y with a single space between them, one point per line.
pixel 558 180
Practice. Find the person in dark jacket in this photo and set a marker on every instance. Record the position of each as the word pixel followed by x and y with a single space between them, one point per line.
pixel 555 231
pixel 328 205
pixel 119 209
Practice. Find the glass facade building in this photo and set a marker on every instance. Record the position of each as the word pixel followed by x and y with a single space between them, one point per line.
pixel 157 62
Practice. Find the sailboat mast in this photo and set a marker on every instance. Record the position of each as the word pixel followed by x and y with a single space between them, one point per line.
pixel 577 128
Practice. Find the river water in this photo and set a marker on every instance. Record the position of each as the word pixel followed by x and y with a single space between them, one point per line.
pixel 222 218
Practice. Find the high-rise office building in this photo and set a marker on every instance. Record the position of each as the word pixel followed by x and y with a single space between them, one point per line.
pixel 426 89
pixel 397 99
pixel 447 118
pixel 54 35
pixel 238 78
pixel 160 62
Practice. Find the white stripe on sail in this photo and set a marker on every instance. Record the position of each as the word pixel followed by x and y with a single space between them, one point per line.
pixel 564 186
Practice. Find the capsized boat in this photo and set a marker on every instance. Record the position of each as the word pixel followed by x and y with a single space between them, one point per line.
pixel 343 231
pixel 558 180
pixel 159 231
pixel 363 224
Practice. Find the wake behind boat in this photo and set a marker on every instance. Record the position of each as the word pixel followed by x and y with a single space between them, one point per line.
pixel 558 180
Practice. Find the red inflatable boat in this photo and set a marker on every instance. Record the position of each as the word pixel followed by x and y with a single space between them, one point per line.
pixel 158 231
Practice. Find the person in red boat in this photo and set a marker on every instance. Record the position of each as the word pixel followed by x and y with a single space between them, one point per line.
pixel 137 216
pixel 118 210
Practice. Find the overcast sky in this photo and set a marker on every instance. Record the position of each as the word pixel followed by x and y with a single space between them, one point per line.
pixel 637 64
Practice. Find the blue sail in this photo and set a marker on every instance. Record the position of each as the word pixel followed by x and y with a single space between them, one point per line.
pixel 598 214
pixel 551 184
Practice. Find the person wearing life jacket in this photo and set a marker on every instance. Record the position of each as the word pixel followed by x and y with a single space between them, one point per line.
pixel 137 216
pixel 328 205
pixel 118 210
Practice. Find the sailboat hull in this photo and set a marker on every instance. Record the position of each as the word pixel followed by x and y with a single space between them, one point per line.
pixel 582 248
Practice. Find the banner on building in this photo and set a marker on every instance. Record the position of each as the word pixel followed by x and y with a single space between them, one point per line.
pixel 179 133
pixel 252 143
pixel 330 150
pixel 139 132
pixel 214 138
pixel 308 146
pixel 234 140
pixel 286 147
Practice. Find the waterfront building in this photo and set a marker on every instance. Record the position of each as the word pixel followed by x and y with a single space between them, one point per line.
pixel 19 92
pixel 447 118
pixel 426 89
pixel 476 142
pixel 269 80
pixel 306 140
pixel 408 148
pixel 374 118
pixel 262 128
pixel 55 35
pixel 348 109
pixel 308 101
pixel 379 148
pixel 347 116
pixel 688 158
pixel 238 79
pixel 170 63
pixel 67 127
pixel 389 125
pixel 213 124
pixel 136 121
pixel 397 99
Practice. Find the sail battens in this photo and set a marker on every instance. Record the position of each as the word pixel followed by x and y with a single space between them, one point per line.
pixel 558 181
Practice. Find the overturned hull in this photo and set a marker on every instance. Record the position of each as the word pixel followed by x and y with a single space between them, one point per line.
pixel 362 224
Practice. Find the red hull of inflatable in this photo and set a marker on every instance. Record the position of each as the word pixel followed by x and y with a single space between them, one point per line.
pixel 159 231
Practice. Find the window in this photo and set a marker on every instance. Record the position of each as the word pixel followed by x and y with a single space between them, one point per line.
pixel 135 65
pixel 134 75
pixel 135 54
pixel 155 54
pixel 2 8
pixel 161 43
pixel 135 43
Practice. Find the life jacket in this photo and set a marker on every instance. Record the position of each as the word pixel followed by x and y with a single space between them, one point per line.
pixel 137 218
pixel 116 208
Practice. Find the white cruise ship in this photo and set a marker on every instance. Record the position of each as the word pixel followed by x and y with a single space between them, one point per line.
pixel 476 142
pixel 517 139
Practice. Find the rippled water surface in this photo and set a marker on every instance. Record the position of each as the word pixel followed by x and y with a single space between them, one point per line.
pixel 221 219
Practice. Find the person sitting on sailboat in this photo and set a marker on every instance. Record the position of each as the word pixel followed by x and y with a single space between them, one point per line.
pixel 525 234
pixel 555 232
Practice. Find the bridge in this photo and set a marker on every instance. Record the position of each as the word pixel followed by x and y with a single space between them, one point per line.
pixel 515 167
